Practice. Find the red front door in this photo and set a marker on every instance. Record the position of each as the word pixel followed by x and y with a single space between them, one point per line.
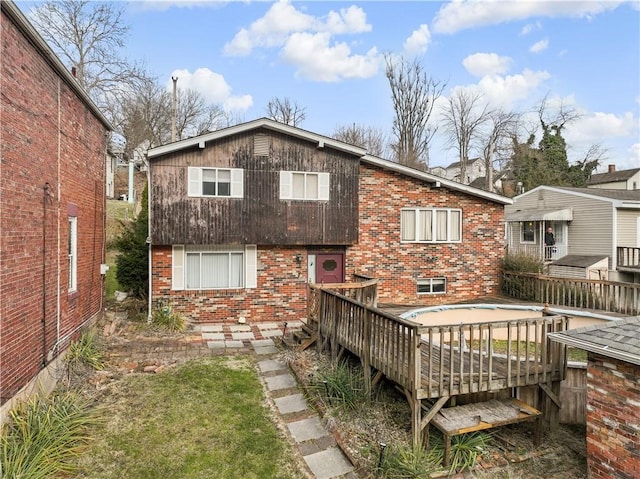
pixel 329 268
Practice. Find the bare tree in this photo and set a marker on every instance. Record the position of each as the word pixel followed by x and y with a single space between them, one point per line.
pixel 145 117
pixel 462 119
pixel 500 131
pixel 87 36
pixel 370 138
pixel 414 94
pixel 284 111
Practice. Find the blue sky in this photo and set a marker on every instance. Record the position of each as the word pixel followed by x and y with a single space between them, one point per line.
pixel 328 57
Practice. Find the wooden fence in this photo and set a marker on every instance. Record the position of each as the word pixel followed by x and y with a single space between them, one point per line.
pixel 572 292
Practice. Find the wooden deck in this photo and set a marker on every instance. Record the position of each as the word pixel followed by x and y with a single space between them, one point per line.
pixel 434 364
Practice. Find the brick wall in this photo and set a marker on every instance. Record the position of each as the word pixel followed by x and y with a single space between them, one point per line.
pixel 48 136
pixel 280 296
pixel 613 418
pixel 471 267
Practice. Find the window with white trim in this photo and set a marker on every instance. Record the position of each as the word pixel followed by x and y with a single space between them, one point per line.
pixel 302 185
pixel 528 232
pixel 214 267
pixel 72 254
pixel 216 182
pixel 432 285
pixel 430 225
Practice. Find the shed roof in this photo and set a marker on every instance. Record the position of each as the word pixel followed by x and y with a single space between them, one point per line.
pixel 579 261
pixel 619 339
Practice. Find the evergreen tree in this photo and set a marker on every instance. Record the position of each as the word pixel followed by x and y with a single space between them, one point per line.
pixel 133 259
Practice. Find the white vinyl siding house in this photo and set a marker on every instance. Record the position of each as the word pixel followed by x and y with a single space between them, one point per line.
pixel 600 220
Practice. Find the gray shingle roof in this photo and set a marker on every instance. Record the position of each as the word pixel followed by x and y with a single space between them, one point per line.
pixel 633 195
pixel 611 177
pixel 579 261
pixel 619 339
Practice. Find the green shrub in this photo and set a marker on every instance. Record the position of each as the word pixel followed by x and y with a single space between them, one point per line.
pixel 132 262
pixel 465 449
pixel 522 263
pixel 44 437
pixel 85 351
pixel 403 462
pixel 166 318
pixel 341 384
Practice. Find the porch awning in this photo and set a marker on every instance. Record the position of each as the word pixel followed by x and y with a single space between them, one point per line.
pixel 565 214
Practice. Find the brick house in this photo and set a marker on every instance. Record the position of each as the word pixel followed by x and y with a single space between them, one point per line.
pixel 613 396
pixel 241 219
pixel 52 208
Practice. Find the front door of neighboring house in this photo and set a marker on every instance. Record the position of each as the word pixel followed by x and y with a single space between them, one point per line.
pixel 329 268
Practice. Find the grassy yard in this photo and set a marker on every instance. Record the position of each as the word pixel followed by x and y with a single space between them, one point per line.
pixel 204 419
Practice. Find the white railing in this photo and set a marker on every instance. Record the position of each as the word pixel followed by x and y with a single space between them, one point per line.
pixel 548 253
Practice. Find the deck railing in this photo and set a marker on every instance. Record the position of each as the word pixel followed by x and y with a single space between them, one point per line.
pixel 628 257
pixel 576 293
pixel 437 361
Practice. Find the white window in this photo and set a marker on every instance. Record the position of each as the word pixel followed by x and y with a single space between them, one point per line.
pixel 214 267
pixel 432 285
pixel 430 225
pixel 300 185
pixel 216 182
pixel 72 254
pixel 528 231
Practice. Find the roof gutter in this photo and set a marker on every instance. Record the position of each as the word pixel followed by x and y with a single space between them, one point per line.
pixel 21 21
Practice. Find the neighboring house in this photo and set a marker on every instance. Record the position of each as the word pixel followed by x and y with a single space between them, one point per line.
pixel 613 395
pixel 475 169
pixel 52 209
pixel 616 180
pixel 241 219
pixel 590 223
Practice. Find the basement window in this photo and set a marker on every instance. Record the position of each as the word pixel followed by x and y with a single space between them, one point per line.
pixel 432 286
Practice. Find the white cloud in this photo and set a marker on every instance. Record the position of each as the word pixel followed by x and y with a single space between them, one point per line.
pixel 598 127
pixel 460 14
pixel 506 91
pixel 483 64
pixel 418 42
pixel 540 46
pixel 530 27
pixel 317 60
pixel 282 20
pixel 213 87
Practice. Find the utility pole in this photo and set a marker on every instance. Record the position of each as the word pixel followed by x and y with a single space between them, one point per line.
pixel 175 109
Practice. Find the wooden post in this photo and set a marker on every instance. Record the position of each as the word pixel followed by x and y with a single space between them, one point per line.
pixel 366 350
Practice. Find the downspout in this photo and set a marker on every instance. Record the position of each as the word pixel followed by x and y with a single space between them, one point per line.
pixel 150 267
pixel 45 194
pixel 59 198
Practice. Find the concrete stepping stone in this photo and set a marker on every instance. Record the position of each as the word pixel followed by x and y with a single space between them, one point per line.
pixel 328 463
pixel 307 429
pixel 284 381
pixel 292 403
pixel 268 365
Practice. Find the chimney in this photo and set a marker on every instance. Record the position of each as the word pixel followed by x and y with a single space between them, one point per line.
pixel 73 71
pixel 612 168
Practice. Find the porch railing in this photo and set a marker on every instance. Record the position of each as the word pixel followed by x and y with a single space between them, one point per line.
pixel 610 296
pixel 548 253
pixel 628 257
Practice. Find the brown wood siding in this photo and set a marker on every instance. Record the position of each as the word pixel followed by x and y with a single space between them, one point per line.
pixel 260 217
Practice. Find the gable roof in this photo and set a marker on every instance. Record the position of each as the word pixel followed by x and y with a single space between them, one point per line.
pixel 322 141
pixel 611 177
pixel 200 140
pixel 456 164
pixel 619 198
pixel 618 339
pixel 28 30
